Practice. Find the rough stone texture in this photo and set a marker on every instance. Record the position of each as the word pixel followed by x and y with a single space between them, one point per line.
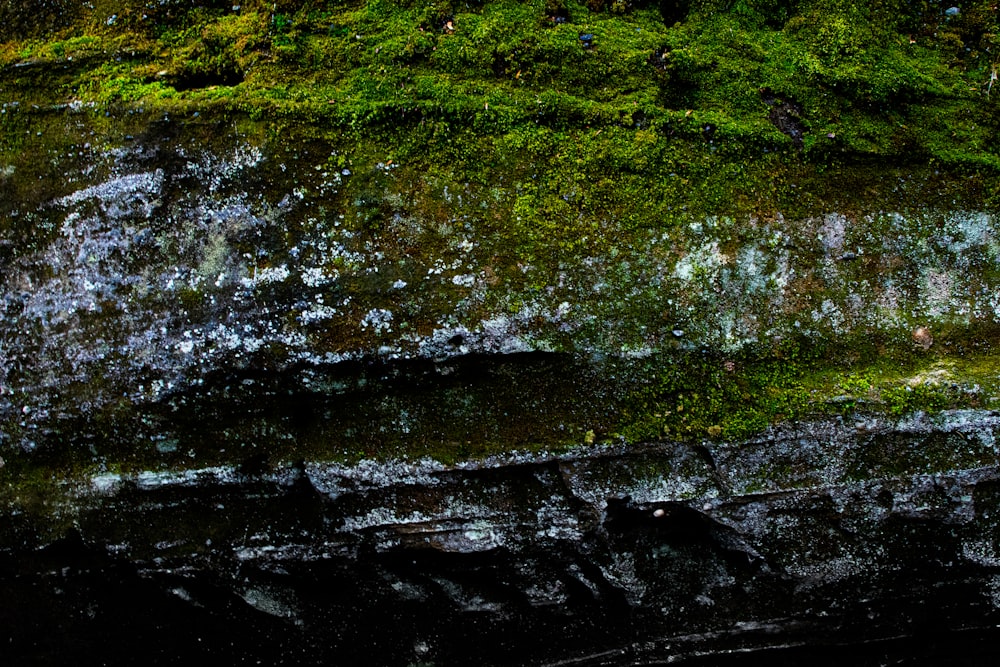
pixel 866 541
pixel 169 262
pixel 234 333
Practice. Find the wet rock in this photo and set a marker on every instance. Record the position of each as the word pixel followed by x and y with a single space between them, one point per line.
pixel 786 115
pixel 202 322
pixel 812 535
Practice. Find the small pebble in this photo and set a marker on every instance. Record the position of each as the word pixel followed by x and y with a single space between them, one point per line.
pixel 659 513
pixel 922 337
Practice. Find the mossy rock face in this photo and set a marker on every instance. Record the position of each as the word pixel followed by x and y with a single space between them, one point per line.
pixel 707 217
pixel 618 328
pixel 189 257
pixel 21 20
pixel 673 553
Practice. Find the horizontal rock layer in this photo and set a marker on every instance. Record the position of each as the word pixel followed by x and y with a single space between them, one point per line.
pixel 863 540
pixel 155 267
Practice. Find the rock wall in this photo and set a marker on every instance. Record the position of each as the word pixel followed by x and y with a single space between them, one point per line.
pixel 867 541
pixel 155 266
pixel 498 333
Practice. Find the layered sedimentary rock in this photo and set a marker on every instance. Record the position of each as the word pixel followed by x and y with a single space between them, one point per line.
pixel 862 540
pixel 505 333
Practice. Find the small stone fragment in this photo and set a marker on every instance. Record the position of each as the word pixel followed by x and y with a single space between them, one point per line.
pixel 659 513
pixel 922 337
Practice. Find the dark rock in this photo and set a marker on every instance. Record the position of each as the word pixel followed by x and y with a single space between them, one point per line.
pixel 609 556
pixel 660 59
pixel 785 117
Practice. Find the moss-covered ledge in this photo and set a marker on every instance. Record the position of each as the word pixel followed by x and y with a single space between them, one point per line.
pixel 702 218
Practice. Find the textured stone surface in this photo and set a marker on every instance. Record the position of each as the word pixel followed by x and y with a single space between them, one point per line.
pixel 851 542
pixel 383 333
pixel 170 261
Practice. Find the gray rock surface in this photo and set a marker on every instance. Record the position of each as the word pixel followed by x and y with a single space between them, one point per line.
pixel 152 265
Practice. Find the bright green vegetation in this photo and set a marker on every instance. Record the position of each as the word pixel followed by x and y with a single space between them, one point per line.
pixel 678 108
pixel 672 110
pixel 716 397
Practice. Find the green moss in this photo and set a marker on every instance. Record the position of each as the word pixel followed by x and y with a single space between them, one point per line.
pixel 699 395
pixel 859 72
pixel 562 151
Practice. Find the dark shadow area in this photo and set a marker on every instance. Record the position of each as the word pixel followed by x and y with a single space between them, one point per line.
pixel 198 80
pixel 786 115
